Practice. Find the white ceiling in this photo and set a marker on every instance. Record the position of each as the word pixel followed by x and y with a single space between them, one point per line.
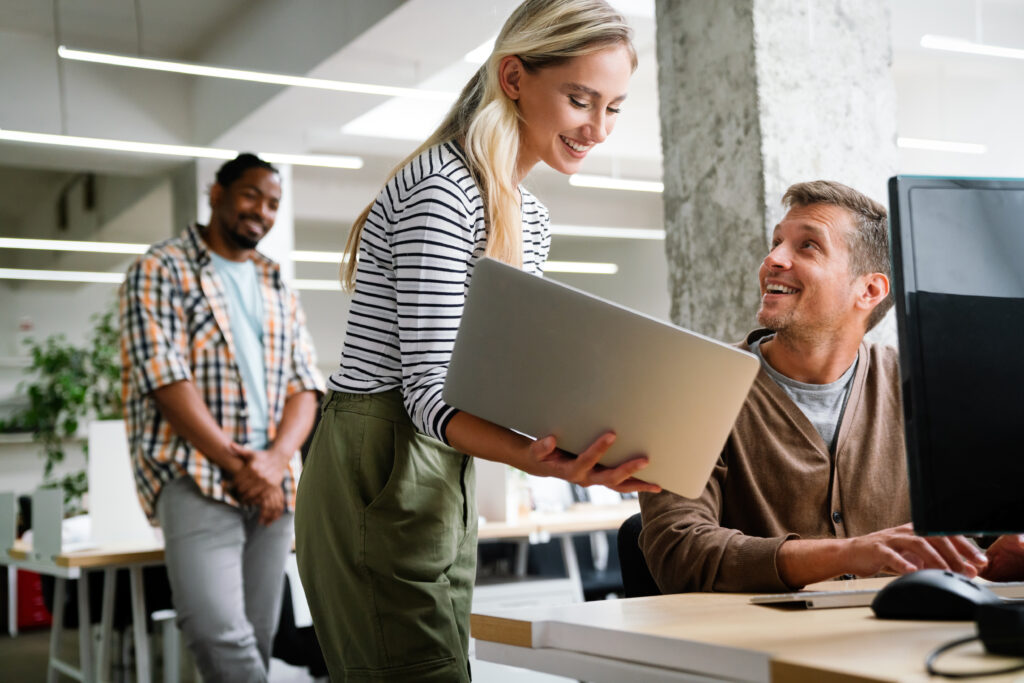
pixel 410 43
pixel 420 42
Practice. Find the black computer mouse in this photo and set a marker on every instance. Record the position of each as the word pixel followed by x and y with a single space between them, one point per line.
pixel 932 594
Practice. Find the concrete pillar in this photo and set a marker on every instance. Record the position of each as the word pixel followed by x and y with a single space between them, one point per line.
pixel 756 95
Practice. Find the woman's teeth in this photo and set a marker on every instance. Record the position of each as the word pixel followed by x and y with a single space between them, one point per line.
pixel 575 145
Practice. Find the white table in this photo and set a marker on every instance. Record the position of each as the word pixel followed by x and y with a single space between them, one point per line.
pixel 77 566
pixel 541 527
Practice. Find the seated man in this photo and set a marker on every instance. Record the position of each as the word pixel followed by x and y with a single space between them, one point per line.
pixel 812 481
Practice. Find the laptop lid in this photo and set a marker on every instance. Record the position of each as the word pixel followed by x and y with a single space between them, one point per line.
pixel 543 358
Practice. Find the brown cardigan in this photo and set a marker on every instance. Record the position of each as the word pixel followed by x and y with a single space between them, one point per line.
pixel 775 480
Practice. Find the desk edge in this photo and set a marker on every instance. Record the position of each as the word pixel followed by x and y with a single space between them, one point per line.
pixel 502 630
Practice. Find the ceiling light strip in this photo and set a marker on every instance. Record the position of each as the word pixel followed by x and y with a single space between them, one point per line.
pixel 609 183
pixel 950 44
pixel 317 285
pixel 192 69
pixel 107 144
pixel 71 245
pixel 60 275
pixel 581 267
pixel 577 267
pixel 334 257
pixel 941 145
pixel 608 233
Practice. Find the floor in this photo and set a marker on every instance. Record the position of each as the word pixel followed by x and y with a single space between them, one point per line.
pixel 24 660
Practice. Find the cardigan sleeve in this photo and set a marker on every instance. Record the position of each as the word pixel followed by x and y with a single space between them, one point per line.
pixel 687 549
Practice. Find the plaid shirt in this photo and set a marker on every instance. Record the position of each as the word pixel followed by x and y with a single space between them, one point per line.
pixel 174 327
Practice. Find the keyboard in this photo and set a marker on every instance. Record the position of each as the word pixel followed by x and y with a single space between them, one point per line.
pixel 1010 590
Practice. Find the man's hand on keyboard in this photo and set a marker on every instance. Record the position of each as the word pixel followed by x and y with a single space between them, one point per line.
pixel 899 551
pixel 1005 559
pixel 889 551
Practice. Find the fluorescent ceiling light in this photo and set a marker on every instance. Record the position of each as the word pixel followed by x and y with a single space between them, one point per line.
pixel 480 54
pixel 135 248
pixel 608 183
pixel 322 160
pixel 581 267
pixel 118 278
pixel 335 257
pixel 175 150
pixel 70 245
pixel 961 45
pixel 941 145
pixel 60 275
pixel 613 233
pixel 549 267
pixel 318 285
pixel 398 119
pixel 634 8
pixel 252 76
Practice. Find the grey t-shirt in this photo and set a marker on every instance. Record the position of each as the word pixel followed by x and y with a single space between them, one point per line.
pixel 823 404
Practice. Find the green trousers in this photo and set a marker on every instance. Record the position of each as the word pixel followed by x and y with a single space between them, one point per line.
pixel 385 525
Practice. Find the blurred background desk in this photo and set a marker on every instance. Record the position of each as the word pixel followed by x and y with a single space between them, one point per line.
pixel 705 636
pixel 76 566
pixel 520 589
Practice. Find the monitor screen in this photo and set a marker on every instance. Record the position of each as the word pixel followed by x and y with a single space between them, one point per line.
pixel 958 282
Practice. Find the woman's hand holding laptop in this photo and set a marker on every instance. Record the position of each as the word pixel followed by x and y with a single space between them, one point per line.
pixel 542 457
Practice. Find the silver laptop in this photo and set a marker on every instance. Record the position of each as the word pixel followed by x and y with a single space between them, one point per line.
pixel 543 358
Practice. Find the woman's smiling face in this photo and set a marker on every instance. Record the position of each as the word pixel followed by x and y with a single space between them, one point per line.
pixel 567 109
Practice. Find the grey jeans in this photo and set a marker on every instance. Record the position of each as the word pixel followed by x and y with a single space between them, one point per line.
pixel 227 578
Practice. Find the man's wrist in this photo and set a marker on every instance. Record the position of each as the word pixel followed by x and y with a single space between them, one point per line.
pixel 803 561
pixel 279 454
pixel 229 460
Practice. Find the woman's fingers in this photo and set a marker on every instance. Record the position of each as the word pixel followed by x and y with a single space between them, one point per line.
pixel 584 468
pixel 588 459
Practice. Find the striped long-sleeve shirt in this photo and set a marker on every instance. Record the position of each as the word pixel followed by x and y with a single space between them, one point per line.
pixel 175 327
pixel 424 234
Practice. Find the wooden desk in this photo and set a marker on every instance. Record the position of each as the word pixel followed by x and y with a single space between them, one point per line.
pixel 579 519
pixel 540 527
pixel 703 636
pixel 77 565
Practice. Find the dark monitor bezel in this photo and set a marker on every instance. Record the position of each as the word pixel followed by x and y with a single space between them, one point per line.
pixel 911 370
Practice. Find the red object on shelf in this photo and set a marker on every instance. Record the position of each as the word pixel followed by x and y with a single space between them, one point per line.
pixel 32 612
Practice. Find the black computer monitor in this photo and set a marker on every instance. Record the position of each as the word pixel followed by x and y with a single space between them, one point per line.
pixel 958 281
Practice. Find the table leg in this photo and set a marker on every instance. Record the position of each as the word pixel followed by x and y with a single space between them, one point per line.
pixel 142 664
pixel 522 554
pixel 59 594
pixel 85 629
pixel 12 601
pixel 106 625
pixel 572 566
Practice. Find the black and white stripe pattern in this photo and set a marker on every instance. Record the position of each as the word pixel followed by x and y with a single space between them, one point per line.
pixel 419 245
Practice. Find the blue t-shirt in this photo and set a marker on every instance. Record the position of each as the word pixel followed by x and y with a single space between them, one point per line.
pixel 245 310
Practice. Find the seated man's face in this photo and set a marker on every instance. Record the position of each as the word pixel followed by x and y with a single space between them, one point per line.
pixel 806 285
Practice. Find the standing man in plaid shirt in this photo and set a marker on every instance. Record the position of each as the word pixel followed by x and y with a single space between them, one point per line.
pixel 220 386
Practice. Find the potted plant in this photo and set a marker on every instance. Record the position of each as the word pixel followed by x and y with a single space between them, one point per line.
pixel 70 385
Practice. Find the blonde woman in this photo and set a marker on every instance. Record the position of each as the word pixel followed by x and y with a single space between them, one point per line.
pixel 386 515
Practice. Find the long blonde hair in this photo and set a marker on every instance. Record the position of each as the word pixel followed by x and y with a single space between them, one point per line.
pixel 541 33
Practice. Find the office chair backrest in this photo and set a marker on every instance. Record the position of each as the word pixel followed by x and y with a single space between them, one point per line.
pixel 637 581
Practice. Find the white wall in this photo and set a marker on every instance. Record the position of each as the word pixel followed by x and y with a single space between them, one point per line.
pixel 64 308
